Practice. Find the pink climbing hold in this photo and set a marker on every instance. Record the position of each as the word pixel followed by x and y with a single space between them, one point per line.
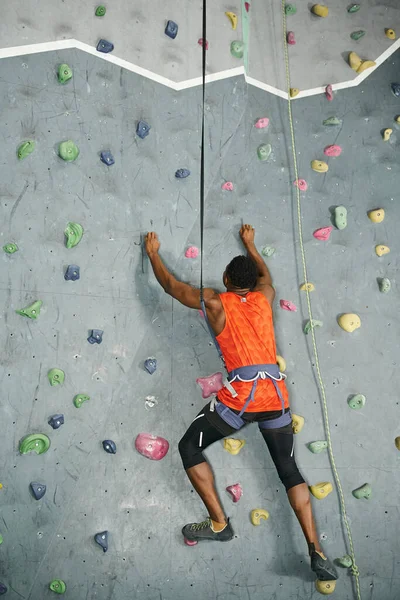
pixel 288 305
pixel 329 93
pixel 333 150
pixel 247 6
pixel 323 233
pixel 192 252
pixel 228 186
pixel 190 542
pixel 290 38
pixel 210 385
pixel 201 313
pixel 201 42
pixel 151 446
pixel 301 184
pixel 261 123
pixel 235 491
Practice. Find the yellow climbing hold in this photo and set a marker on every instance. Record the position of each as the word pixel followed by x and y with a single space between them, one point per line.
pixel 257 514
pixel 359 65
pixel 321 490
pixel 381 250
pixel 320 10
pixel 310 287
pixel 325 587
pixel 377 215
pixel 390 33
pixel 386 134
pixel 366 64
pixel 233 19
pixel 349 322
pixel 319 165
pixel 293 92
pixel 397 119
pixel 297 423
pixel 281 362
pixel 233 446
pixel 397 442
pixel 1 486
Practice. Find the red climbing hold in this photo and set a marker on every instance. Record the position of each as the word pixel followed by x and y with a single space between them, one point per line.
pixel 323 233
pixel 247 6
pixel 228 186
pixel 235 491
pixel 329 93
pixel 261 123
pixel 290 38
pixel 288 305
pixel 201 42
pixel 151 446
pixel 190 542
pixel 301 184
pixel 210 385
pixel 333 150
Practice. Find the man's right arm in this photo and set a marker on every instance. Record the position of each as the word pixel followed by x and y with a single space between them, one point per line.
pixel 264 280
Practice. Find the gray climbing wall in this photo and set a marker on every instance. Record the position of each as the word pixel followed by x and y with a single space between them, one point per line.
pixel 143 504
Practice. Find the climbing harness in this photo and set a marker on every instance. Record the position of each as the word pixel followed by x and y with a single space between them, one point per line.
pixel 354 570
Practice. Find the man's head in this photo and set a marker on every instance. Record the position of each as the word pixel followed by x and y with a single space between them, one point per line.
pixel 241 273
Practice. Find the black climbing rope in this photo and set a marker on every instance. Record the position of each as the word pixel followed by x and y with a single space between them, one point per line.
pixel 202 186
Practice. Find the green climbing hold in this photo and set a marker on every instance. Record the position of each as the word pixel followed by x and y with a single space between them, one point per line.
pixel 64 73
pixel 357 35
pixel 56 376
pixel 363 491
pixel 357 401
pixel 384 285
pixel 344 561
pixel 264 151
pixel 237 49
pixel 354 8
pixel 58 586
pixel 73 234
pixel 10 248
pixel 1 539
pixel 100 11
pixel 317 447
pixel 25 149
pixel 68 151
pixel 80 399
pixel 331 121
pixel 36 442
pixel 268 251
pixel 340 217
pixel 311 324
pixel 32 311
pixel 290 9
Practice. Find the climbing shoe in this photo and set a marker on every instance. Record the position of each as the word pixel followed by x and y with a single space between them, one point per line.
pixel 322 566
pixel 203 531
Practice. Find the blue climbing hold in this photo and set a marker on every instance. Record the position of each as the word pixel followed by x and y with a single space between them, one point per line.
pixel 102 539
pixel 396 89
pixel 143 129
pixel 150 364
pixel 56 421
pixel 110 447
pixel 38 490
pixel 171 29
pixel 107 158
pixel 105 46
pixel 72 273
pixel 96 336
pixel 3 589
pixel 182 173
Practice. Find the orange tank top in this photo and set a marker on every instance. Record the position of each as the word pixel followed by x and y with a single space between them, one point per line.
pixel 248 339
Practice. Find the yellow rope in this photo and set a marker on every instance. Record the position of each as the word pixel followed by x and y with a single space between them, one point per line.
pixel 354 569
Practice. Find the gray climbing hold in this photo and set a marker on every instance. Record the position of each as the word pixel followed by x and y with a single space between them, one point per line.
pixel 95 336
pixel 317 447
pixel 38 490
pixel 268 251
pixel 105 46
pixel 142 129
pixel 357 401
pixel 384 285
pixel 311 324
pixel 340 217
pixel 107 158
pixel 72 273
pixel 264 151
pixel 396 89
pixel 332 121
pixel 182 173
pixel 150 364
pixel 56 421
pixel 109 446
pixel 171 29
pixel 364 491
pixel 344 561
pixel 102 539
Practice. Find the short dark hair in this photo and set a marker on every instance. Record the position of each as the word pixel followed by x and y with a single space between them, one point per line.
pixel 242 272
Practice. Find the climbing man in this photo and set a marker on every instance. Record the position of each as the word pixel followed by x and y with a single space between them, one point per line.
pixel 240 321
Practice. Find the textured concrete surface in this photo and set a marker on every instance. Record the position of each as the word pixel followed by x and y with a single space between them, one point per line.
pixel 144 504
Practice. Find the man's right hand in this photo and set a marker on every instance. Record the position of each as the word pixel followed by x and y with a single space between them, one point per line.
pixel 247 233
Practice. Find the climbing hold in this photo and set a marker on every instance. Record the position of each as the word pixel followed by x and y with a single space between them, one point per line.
pixel 235 491
pixel 56 421
pixel 307 287
pixel 247 6
pixel 237 49
pixel 38 490
pixel 356 401
pixel 58 586
pixel 79 399
pixel 1 539
pixel 297 423
pixel 332 121
pixel 142 129
pixel 150 402
pixel 329 92
pixel 68 151
pixel 325 587
pixel 386 134
pixel 382 250
pixel 100 11
pixel 25 149
pixel 390 33
pixel 200 41
pixel 320 10
pixel 364 491
pixel 264 151
pixel 32 311
pixel 319 165
pixel 377 215
pixel 233 446
pixel 397 119
pixel 344 561
pixel 10 248
pixel 396 89
pixel 301 184
pixel 261 123
pixel 268 251
pixel 109 446
pixel 64 73
pixel 290 38
pixel 192 252
pixel 357 35
pixel 95 336
pixel 290 9
pixel 151 446
pixel 293 92
pixel 171 30
pixel 359 65
pixel 311 325
pixel 384 285
pixel 182 173
pixel 333 150
pixel 287 305
pixel 227 186
pixel 56 376
pixel 281 362
pixel 102 539
pixel 257 514
pixel 107 158
pixel 150 364
pixel 36 442
pixel 104 46
pixel 317 447
pixel 210 385
pixel 233 19
pixel 73 234
pixel 72 273
pixel 323 233
pixel 3 589
pixel 321 490
pixel 340 217
pixel 349 322
pixel 354 8
pixel 397 442
pixel 190 542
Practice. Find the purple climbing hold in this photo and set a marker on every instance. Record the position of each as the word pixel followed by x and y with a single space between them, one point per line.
pixel 109 446
pixel 150 364
pixel 182 173
pixel 396 89
pixel 143 129
pixel 96 336
pixel 3 589
pixel 38 490
pixel 107 158
pixel 105 46
pixel 102 539
pixel 72 273
pixel 56 421
pixel 171 29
